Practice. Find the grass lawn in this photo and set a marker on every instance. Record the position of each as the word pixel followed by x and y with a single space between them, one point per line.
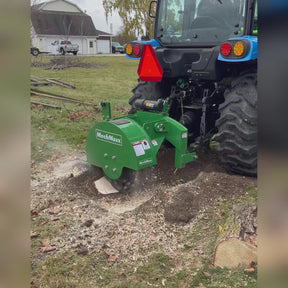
pixel 69 270
pixel 99 79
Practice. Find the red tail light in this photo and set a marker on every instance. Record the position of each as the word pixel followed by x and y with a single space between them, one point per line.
pixel 225 49
pixel 136 50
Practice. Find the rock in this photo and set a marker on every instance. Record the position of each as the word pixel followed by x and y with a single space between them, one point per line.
pixel 207 275
pixel 82 250
pixel 34 234
pixel 233 252
pixel 88 223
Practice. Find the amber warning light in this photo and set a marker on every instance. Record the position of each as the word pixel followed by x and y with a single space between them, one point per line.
pixel 149 68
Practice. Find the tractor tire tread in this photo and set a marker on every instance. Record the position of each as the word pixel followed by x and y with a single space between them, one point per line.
pixel 237 127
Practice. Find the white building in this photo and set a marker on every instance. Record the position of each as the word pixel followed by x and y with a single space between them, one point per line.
pixel 63 20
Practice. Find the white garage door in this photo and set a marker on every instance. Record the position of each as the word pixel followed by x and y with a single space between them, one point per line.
pixel 103 46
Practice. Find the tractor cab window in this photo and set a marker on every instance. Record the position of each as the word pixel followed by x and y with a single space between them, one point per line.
pixel 186 22
pixel 171 21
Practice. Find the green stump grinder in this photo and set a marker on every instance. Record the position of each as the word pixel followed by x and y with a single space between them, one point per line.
pixel 133 141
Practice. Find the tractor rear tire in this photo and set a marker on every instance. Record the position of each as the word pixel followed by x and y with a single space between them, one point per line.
pixel 145 90
pixel 237 127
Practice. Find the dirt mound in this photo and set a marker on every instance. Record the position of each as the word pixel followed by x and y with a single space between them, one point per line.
pixel 183 202
pixel 184 206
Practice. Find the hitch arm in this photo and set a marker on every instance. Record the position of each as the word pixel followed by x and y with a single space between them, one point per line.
pixel 177 135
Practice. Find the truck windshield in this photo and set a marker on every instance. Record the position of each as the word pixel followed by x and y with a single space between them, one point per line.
pixel 187 22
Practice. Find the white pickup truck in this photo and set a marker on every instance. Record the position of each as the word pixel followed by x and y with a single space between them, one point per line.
pixel 66 46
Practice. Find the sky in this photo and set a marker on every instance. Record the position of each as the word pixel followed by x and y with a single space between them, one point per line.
pixel 94 8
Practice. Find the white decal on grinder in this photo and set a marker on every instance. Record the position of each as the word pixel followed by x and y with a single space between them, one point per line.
pixel 108 137
pixel 154 143
pixel 147 161
pixel 145 144
pixel 184 135
pixel 138 148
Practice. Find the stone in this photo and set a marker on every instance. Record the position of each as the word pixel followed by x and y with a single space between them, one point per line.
pixel 82 250
pixel 88 223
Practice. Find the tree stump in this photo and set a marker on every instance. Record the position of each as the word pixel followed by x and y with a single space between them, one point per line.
pixel 236 245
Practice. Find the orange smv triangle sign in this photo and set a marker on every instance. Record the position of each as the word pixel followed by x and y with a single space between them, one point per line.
pixel 149 68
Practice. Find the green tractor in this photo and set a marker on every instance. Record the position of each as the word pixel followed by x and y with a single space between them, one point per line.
pixel 197 86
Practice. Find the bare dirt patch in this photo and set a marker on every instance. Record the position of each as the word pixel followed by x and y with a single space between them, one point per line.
pixel 130 225
pixel 62 62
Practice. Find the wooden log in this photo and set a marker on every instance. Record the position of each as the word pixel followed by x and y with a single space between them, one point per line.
pixel 45 105
pixel 60 98
pixel 60 83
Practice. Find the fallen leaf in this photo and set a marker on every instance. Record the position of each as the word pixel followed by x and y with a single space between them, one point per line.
pixel 222 213
pixel 220 228
pixel 80 114
pixel 133 279
pixel 48 249
pixel 34 234
pixel 122 274
pixel 43 222
pixel 45 242
pixel 33 213
pixel 46 246
pixel 56 156
pixel 204 228
pixel 207 275
pixel 249 270
pixel 54 210
pixel 112 258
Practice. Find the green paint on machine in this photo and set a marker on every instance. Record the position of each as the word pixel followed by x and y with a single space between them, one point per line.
pixel 133 141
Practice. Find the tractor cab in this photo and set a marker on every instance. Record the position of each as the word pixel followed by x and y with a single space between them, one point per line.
pixel 196 38
pixel 200 22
